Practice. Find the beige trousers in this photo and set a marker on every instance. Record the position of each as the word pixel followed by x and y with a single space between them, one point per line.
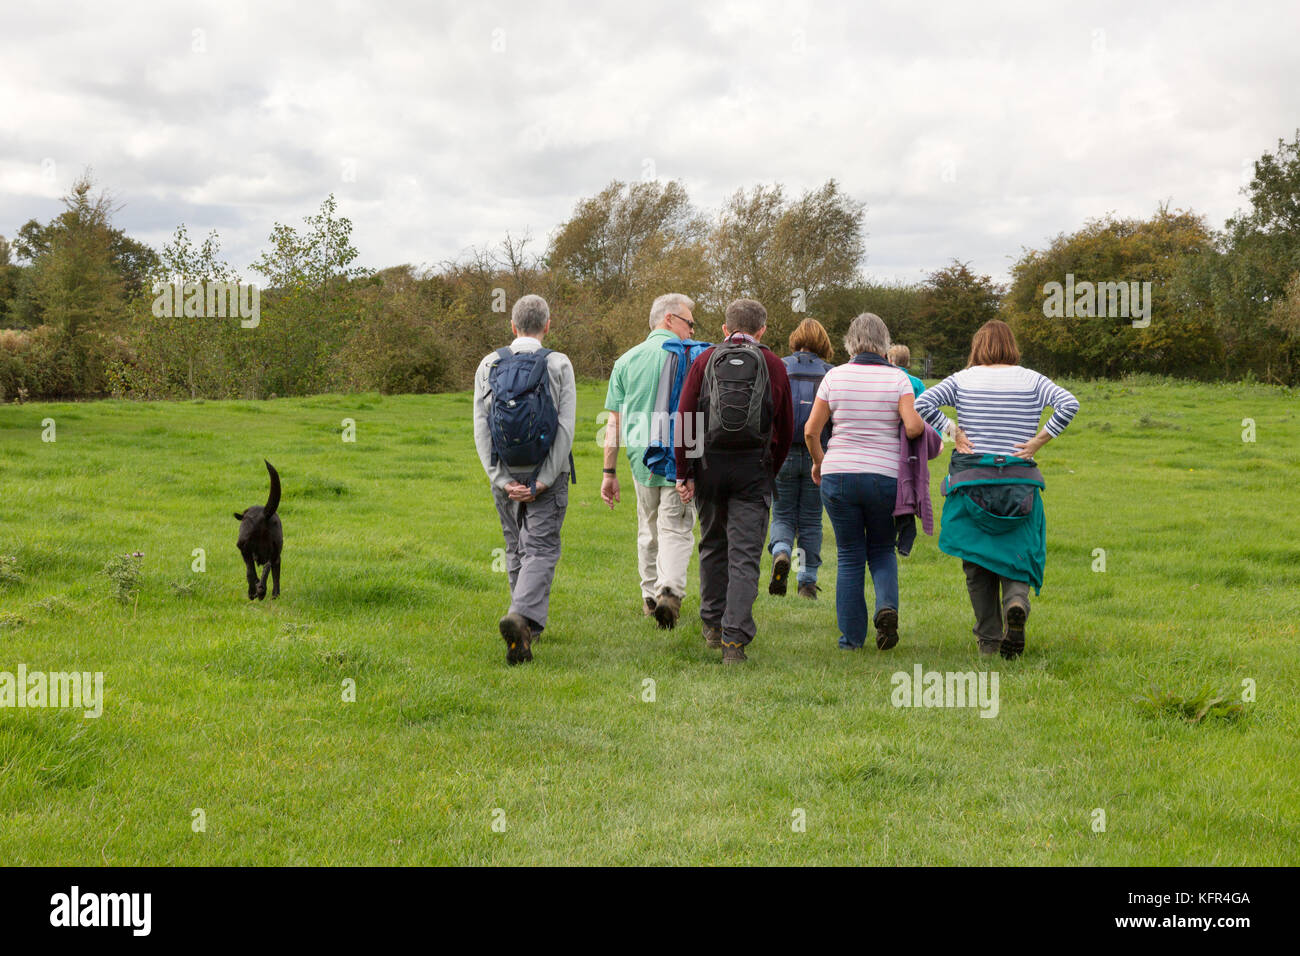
pixel 664 539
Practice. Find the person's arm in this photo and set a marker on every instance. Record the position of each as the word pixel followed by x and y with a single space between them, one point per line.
pixel 609 491
pixel 497 474
pixel 812 435
pixel 688 405
pixel 1064 406
pixel 563 385
pixel 912 423
pixel 928 403
pixel 782 410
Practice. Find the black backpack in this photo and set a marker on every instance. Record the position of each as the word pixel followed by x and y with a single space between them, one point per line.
pixel 737 398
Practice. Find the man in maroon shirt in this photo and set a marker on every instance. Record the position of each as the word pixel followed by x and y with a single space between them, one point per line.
pixel 734 490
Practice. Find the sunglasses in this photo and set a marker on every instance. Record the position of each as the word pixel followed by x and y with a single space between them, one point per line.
pixel 689 324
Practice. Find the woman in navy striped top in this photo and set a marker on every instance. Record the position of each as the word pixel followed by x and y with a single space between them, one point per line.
pixel 999 404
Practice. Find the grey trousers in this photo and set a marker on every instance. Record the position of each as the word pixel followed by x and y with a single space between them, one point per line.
pixel 532 533
pixel 983 586
pixel 733 533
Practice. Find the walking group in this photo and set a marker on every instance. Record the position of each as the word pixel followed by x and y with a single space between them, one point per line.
pixel 730 435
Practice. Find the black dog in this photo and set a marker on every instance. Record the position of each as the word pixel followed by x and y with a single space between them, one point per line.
pixel 261 539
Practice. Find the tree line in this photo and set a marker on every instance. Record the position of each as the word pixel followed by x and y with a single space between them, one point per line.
pixel 80 316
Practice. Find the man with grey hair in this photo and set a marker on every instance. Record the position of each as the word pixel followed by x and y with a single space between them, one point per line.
pixel 525 400
pixel 665 524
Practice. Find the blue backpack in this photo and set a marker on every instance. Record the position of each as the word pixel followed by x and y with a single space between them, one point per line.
pixel 523 418
pixel 661 452
pixel 806 372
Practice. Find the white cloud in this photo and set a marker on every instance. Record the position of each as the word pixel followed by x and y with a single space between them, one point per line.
pixel 968 130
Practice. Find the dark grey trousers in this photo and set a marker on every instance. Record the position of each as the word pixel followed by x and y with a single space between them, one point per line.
pixel 733 532
pixel 532 533
pixel 989 608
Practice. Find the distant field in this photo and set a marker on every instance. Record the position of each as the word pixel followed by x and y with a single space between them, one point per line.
pixel 235 708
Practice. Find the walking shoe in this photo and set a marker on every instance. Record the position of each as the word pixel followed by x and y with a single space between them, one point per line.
pixel 780 572
pixel 809 591
pixel 886 628
pixel 518 637
pixel 667 608
pixel 989 648
pixel 712 637
pixel 649 607
pixel 1013 642
pixel 733 653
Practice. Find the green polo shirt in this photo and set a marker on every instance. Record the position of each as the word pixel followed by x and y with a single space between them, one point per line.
pixel 633 385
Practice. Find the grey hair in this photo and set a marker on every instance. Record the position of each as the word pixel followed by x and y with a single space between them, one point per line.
pixel 530 314
pixel 867 333
pixel 670 302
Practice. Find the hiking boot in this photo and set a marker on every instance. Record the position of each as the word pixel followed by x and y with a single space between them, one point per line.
pixel 886 628
pixel 780 573
pixel 989 648
pixel 1013 642
pixel 733 653
pixel 712 637
pixel 667 608
pixel 649 607
pixel 518 637
pixel 809 591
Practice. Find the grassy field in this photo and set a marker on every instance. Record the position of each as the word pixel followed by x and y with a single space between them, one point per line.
pixel 236 709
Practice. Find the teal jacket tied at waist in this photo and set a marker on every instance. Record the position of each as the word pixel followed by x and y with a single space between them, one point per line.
pixel 993 516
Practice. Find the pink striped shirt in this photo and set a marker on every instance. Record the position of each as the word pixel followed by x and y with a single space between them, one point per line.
pixel 864 411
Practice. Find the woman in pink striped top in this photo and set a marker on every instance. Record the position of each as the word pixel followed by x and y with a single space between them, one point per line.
pixel 865 400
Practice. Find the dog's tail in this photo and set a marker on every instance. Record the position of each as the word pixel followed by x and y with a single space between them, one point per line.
pixel 273 501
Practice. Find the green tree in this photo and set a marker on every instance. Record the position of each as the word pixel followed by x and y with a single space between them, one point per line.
pixel 1179 340
pixel 789 255
pixel 954 303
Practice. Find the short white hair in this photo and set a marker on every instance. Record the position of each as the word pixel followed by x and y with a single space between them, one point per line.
pixel 530 314
pixel 669 302
pixel 867 333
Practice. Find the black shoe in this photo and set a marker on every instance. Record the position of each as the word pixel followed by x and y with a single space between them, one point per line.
pixel 1013 642
pixel 668 606
pixel 733 653
pixel 518 637
pixel 886 628
pixel 780 574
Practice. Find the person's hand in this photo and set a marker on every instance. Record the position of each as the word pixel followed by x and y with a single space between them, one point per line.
pixel 686 490
pixel 518 491
pixel 1028 449
pixel 963 444
pixel 817 473
pixel 609 491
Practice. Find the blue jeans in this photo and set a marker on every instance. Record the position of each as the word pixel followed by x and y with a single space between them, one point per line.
pixel 797 512
pixel 861 509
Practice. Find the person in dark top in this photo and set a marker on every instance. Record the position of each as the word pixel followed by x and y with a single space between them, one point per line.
pixel 728 459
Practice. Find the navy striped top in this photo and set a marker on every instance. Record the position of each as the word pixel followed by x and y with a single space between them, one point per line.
pixel 998 407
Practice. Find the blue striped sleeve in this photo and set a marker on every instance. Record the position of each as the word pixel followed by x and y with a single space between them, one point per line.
pixel 1063 405
pixel 929 401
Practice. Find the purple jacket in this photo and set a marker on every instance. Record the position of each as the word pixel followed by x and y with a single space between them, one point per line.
pixel 914 455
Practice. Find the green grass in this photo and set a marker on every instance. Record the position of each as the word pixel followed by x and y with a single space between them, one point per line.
pixel 235 708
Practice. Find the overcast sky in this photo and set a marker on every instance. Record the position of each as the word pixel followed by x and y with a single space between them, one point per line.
pixel 969 130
